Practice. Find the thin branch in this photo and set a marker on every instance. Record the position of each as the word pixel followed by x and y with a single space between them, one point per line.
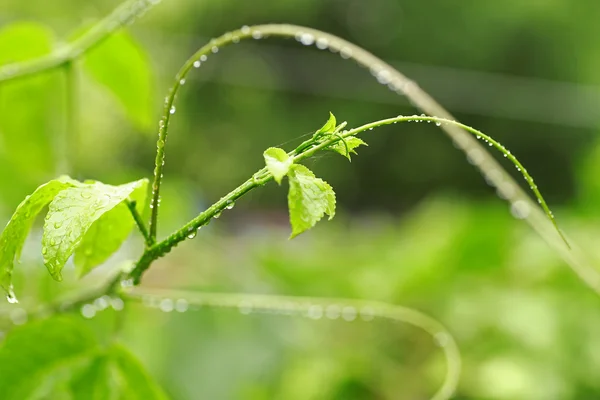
pixel 313 307
pixel 120 16
pixel 131 205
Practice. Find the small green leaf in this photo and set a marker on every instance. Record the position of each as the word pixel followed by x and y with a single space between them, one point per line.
pixel 278 163
pixel 108 233
pixel 36 352
pixel 351 143
pixel 72 214
pixel 15 233
pixel 329 126
pixel 122 66
pixel 309 199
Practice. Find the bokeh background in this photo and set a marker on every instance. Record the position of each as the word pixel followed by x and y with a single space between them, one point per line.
pixel 417 224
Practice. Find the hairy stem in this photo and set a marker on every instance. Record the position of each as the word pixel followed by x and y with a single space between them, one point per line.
pixel 308 149
pixel 120 16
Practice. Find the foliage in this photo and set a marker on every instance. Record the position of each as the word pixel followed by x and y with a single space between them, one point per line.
pixel 91 220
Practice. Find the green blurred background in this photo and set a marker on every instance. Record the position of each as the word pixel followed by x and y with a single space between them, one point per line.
pixel 417 225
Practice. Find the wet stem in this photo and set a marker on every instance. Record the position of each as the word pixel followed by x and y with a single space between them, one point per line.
pixel 306 150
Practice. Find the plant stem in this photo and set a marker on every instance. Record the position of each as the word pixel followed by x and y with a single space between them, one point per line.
pixel 347 309
pixel 189 230
pixel 496 176
pixel 139 222
pixel 120 16
pixel 263 176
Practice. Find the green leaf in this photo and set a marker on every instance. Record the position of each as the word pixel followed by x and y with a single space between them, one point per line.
pixel 133 380
pixel 93 381
pixel 108 233
pixel 329 126
pixel 122 66
pixel 14 235
pixel 351 143
pixel 309 199
pixel 278 163
pixel 115 374
pixel 72 214
pixel 36 352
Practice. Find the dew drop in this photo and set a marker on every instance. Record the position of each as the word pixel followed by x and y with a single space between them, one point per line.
pixel 172 111
pixel 438 123
pixel 215 49
pixel 346 52
pixel 520 209
pixel 192 234
pixel 245 29
pixel 235 39
pixel 307 39
pixel 57 225
pixel 349 313
pixel 322 43
pixel 333 311
pixel 88 311
pixel 85 195
pixel 217 215
pixel 230 204
pixel 181 305
pixel 52 242
pixel 117 303
pixel 257 35
pixel 166 305
pixel 127 283
pixel 197 64
pixel 101 303
pixel 182 81
pixel 44 250
pixel 315 312
pixel 383 76
pixel 203 58
pixel 10 295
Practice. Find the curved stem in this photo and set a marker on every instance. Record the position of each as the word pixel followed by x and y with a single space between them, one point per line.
pixel 309 149
pixel 385 74
pixel 120 16
pixel 312 307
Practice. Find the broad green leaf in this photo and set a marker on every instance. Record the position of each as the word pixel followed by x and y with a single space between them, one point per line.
pixel 108 233
pixel 133 380
pixel 309 199
pixel 35 353
pixel 72 214
pixel 113 375
pixel 351 143
pixel 329 126
pixel 278 163
pixel 28 108
pixel 122 66
pixel 14 235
